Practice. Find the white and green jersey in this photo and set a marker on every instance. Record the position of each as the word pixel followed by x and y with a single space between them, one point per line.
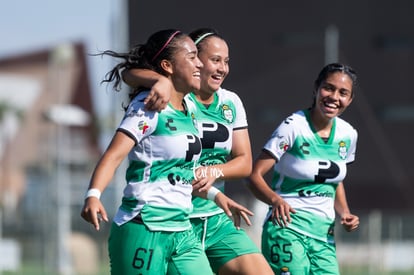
pixel 161 164
pixel 308 170
pixel 216 124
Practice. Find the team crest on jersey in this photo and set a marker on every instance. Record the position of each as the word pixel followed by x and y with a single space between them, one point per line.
pixel 143 126
pixel 283 145
pixel 227 113
pixel 193 118
pixel 342 150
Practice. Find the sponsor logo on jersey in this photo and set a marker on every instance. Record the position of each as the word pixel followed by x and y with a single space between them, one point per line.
pixel 283 145
pixel 304 147
pixel 227 113
pixel 288 120
pixel 143 126
pixel 342 150
pixel 309 193
pixel 175 179
pixel 170 124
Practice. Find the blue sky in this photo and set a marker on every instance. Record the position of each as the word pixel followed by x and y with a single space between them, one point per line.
pixel 27 26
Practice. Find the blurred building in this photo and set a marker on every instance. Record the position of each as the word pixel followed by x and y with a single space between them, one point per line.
pixel 40 92
pixel 48 147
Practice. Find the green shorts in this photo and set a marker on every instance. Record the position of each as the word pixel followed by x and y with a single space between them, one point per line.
pixel 283 247
pixel 221 240
pixel 133 249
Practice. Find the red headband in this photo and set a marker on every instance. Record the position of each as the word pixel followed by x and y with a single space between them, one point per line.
pixel 165 45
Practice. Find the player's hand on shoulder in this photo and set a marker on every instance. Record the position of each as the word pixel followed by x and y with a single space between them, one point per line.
pixel 159 95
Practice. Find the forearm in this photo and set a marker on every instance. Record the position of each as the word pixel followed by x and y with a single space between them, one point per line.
pixel 93 210
pixel 240 164
pixel 341 204
pixel 209 194
pixel 237 168
pixel 261 189
pixel 140 77
pixel 116 152
pixel 102 175
pixel 257 184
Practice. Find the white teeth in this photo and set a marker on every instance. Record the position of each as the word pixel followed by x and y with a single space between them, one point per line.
pixel 330 105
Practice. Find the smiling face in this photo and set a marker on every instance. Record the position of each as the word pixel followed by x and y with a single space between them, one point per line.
pixel 214 54
pixel 185 68
pixel 333 95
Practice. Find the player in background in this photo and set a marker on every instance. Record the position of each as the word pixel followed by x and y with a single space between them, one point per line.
pixel 308 153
